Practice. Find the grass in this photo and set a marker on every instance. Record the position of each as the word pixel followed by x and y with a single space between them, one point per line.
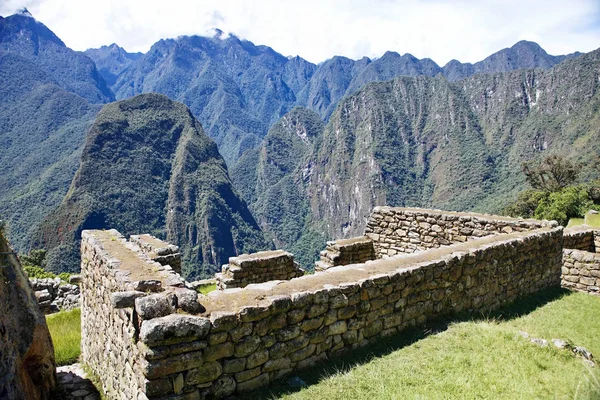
pixel 483 358
pixel 206 289
pixel 65 329
pixel 590 219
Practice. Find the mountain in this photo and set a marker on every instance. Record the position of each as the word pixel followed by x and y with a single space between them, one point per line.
pixel 235 88
pixel 423 141
pixel 148 166
pixel 523 55
pixel 276 187
pixel 22 35
pixel 111 61
pixel 43 129
pixel 238 90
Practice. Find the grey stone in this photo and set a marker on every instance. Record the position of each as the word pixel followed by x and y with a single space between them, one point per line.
pixel 125 299
pixel 155 305
pixel 187 300
pixel 174 328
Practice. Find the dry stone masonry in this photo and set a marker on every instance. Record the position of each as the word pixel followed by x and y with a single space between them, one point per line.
pixel 258 267
pixel 53 295
pixel 406 230
pixel 581 260
pixel 147 336
pixel 346 251
pixel 159 251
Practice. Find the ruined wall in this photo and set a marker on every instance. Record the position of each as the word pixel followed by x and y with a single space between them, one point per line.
pixel 581 262
pixel 53 295
pixel 581 271
pixel 117 276
pixel 158 250
pixel 246 338
pixel 259 267
pixel 580 239
pixel 346 251
pixel 397 230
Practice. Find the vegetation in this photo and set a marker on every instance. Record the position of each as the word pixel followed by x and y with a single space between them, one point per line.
pixel 206 289
pixel 65 330
pixel 149 167
pixel 555 194
pixel 481 358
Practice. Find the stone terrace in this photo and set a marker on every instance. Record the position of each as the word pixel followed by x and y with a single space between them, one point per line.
pixel 169 342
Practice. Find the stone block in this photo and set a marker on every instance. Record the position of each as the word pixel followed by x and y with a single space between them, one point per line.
pixel 173 328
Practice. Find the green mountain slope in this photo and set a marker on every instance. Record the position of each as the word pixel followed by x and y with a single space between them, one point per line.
pixel 147 166
pixel 42 130
pixel 424 142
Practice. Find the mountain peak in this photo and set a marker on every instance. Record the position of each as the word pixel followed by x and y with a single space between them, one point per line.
pixel 24 12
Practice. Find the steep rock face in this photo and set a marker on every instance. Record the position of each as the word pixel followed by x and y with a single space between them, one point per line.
pixel 111 61
pixel 431 143
pixel 27 367
pixel 22 35
pixel 277 186
pixel 147 166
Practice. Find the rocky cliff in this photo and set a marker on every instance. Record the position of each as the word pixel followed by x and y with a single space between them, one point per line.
pixel 426 142
pixel 27 367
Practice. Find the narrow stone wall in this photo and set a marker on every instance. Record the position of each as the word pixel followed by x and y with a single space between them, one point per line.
pixel 159 251
pixel 581 271
pixel 346 251
pixel 53 295
pixel 397 230
pixel 580 239
pixel 259 267
pixel 241 339
pixel 116 277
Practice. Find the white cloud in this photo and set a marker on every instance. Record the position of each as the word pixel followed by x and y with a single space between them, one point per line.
pixel 319 29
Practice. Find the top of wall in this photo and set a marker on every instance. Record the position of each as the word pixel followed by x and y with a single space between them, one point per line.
pixel 133 267
pixel 525 222
pixel 259 295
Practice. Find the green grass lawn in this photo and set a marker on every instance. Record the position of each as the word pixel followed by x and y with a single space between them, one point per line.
pixel 482 358
pixel 590 219
pixel 65 329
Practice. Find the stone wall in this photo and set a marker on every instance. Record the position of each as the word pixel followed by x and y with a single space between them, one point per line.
pixel 241 339
pixel 117 277
pixel 346 251
pixel 258 267
pixel 159 250
pixel 53 295
pixel 581 271
pixel 397 230
pixel 581 239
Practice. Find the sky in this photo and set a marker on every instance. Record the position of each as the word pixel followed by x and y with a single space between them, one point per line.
pixel 319 29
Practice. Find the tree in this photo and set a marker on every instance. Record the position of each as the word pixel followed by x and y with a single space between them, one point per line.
pixel 551 175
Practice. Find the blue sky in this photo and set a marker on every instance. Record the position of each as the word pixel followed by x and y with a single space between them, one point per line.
pixel 319 29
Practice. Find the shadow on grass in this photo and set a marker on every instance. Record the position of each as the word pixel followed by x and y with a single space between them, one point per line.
pixel 384 346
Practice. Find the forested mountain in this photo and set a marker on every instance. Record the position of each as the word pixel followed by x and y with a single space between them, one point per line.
pixel 425 142
pixel 238 90
pixel 47 96
pixel 111 61
pixel 148 166
pixel 311 147
pixel 22 35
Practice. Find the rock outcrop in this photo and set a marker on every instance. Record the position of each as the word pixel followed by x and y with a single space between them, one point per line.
pixel 27 367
